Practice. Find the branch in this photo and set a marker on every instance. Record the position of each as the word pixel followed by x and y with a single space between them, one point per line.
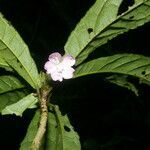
pixel 43 96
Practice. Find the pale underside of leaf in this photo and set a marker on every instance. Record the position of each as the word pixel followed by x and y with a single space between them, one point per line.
pixel 122 80
pixel 19 107
pixel 128 64
pixel 9 83
pixel 15 53
pixel 101 24
pixel 9 98
pixel 61 135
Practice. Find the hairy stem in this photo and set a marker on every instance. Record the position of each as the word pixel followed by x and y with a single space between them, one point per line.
pixel 43 96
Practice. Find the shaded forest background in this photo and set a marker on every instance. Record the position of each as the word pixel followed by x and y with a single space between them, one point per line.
pixel 107 117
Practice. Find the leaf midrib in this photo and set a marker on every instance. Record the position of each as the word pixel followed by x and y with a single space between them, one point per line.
pixel 17 57
pixel 60 126
pixel 99 14
pixel 117 18
pixel 99 71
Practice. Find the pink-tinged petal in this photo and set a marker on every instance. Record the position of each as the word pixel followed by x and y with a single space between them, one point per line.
pixel 55 58
pixel 68 61
pixel 60 67
pixel 68 73
pixel 56 76
pixel 49 67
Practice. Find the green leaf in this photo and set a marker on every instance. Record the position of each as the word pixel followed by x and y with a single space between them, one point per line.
pixel 144 82
pixel 101 23
pixel 19 107
pixel 5 65
pixel 10 98
pixel 60 133
pixel 31 132
pixel 9 83
pixel 15 53
pixel 128 64
pixel 121 80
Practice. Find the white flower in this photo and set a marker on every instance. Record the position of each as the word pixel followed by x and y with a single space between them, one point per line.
pixel 60 67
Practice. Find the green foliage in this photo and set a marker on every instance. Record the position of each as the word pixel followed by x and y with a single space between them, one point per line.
pixel 10 98
pixel 61 135
pixel 31 132
pixel 100 25
pixel 128 64
pixel 121 80
pixel 9 83
pixel 14 53
pixel 5 65
pixel 19 107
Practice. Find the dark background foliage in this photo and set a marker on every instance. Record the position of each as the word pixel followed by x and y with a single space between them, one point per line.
pixel 107 117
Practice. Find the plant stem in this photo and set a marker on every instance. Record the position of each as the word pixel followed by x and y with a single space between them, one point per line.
pixel 43 96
